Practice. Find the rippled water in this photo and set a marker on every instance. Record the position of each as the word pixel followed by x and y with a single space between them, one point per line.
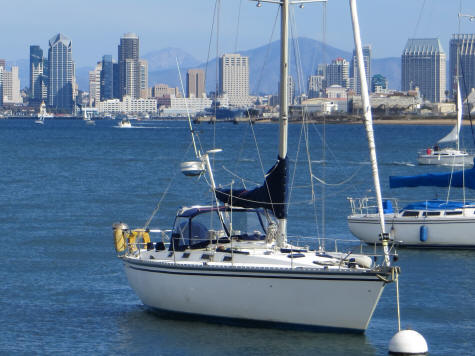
pixel 64 291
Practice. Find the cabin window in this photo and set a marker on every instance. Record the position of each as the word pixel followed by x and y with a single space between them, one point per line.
pixel 449 213
pixel 431 213
pixel 410 213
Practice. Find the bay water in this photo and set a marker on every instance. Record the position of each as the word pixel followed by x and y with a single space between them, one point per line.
pixel 62 185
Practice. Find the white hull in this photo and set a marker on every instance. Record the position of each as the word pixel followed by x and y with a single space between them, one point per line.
pixel 458 232
pixel 456 158
pixel 333 300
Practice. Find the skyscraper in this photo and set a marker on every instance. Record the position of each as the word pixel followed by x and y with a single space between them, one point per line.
pixel 11 86
pixel 338 73
pixel 38 80
pixel 354 72
pixel 423 66
pixel 107 78
pixel 60 81
pixel 129 69
pixel 464 45
pixel 234 79
pixel 2 68
pixel 95 85
pixel 195 83
pixel 143 64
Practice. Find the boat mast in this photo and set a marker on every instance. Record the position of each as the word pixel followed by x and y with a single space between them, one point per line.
pixel 284 103
pixel 368 120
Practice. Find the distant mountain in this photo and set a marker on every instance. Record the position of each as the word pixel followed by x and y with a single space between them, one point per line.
pixel 264 66
pixel 263 62
pixel 166 59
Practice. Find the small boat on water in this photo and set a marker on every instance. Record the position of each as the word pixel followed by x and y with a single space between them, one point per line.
pixel 43 114
pixel 87 119
pixel 423 224
pixel 449 156
pixel 125 124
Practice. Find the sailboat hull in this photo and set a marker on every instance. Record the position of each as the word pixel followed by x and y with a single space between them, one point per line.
pixel 315 300
pixel 447 158
pixel 423 232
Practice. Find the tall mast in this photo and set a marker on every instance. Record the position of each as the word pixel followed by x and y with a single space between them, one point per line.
pixel 368 120
pixel 284 103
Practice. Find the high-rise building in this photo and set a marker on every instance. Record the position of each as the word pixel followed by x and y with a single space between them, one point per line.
pixel 424 66
pixel 95 85
pixel 38 79
pixel 2 68
pixel 116 84
pixel 143 64
pixel 60 79
pixel 129 68
pixel 462 46
pixel 107 78
pixel 195 83
pixel 338 73
pixel 11 86
pixel 234 79
pixel 354 72
pixel 316 86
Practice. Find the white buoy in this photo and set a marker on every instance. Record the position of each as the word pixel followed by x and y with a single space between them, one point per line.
pixel 408 342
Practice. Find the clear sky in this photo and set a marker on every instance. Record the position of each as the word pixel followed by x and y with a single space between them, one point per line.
pixel 95 26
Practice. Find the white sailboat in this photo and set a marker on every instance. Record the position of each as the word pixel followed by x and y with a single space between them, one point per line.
pixel 87 119
pixel 43 114
pixel 449 156
pixel 232 259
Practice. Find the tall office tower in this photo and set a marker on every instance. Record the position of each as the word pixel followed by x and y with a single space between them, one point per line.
pixel 2 67
pixel 195 83
pixel 38 80
pixel 95 85
pixel 423 66
pixel 107 78
pixel 3 63
pixel 115 81
pixel 60 80
pixel 315 86
pixel 11 86
pixel 338 73
pixel 234 79
pixel 354 72
pixel 129 69
pixel 463 47
pixel 143 64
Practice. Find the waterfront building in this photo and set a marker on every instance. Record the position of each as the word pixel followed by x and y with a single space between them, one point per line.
pixel 162 90
pixel 38 78
pixel 95 85
pixel 464 45
pixel 107 78
pixel 182 106
pixel 335 91
pixel 129 68
pixel 128 105
pixel 315 86
pixel 11 86
pixel 338 73
pixel 234 79
pixel 354 73
pixel 60 79
pixel 2 68
pixel 424 66
pixel 195 83
pixel 143 64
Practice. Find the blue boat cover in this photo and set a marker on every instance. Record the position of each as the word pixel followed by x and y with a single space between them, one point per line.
pixel 271 195
pixel 464 178
pixel 437 205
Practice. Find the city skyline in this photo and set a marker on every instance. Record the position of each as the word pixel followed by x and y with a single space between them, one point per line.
pixel 155 24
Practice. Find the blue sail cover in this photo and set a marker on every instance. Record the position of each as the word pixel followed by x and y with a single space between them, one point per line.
pixel 465 178
pixel 271 195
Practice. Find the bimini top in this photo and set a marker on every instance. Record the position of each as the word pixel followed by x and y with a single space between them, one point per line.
pixel 438 205
pixel 460 179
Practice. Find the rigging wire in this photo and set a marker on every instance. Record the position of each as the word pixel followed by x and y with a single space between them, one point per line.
pixel 419 19
pixel 237 27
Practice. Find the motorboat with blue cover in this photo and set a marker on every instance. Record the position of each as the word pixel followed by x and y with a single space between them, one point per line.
pixel 429 224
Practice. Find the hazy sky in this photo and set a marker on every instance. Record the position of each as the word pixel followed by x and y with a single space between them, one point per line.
pixel 95 26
